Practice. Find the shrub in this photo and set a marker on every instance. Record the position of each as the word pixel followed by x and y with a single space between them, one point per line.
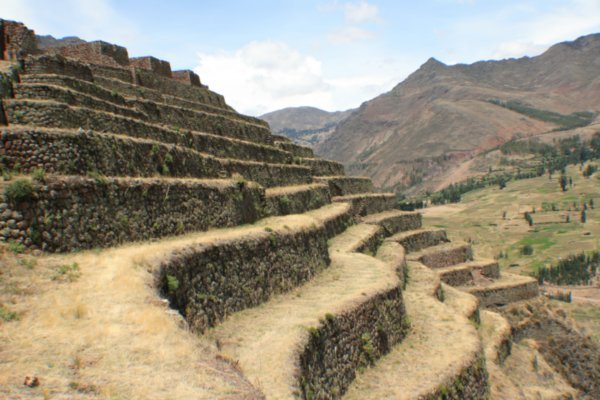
pixel 19 191
pixel 39 175
pixel 527 250
pixel 6 315
pixel 172 284
pixel 16 247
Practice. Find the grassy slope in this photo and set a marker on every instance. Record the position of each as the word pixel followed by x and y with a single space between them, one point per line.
pixel 479 218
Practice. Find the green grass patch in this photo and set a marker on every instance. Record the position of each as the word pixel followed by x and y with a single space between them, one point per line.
pixel 7 315
pixel 540 242
pixel 66 272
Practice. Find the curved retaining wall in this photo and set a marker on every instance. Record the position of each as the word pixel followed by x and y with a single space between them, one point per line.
pixel 446 256
pixel 470 384
pixel 83 213
pixel 215 280
pixel 350 341
pixel 422 239
pixel 498 296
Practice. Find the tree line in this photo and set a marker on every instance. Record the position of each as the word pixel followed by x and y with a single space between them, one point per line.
pixel 578 269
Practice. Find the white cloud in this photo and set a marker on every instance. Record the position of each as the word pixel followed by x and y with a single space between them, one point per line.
pixel 262 76
pixel 567 22
pixel 349 34
pixel 578 18
pixel 90 19
pixel 266 76
pixel 517 49
pixel 356 13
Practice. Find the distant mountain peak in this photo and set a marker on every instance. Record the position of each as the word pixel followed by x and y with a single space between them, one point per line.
pixel 433 63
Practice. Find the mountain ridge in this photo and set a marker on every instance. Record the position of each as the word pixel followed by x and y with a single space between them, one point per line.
pixel 305 125
pixel 441 115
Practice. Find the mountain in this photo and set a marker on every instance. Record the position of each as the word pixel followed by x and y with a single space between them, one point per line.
pixel 47 41
pixel 305 125
pixel 426 127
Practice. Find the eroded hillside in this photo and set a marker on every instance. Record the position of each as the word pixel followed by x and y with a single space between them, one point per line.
pixel 441 116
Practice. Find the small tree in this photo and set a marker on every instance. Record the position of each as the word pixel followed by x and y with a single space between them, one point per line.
pixel 501 183
pixel 527 250
pixel 563 183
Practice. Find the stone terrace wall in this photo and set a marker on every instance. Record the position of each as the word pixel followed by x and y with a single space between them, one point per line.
pixel 447 256
pixel 73 153
pixel 82 213
pixel 347 342
pixel 187 76
pixel 159 67
pixel 216 280
pixel 173 87
pixel 298 202
pixel 500 296
pixel 16 40
pixel 471 384
pixel 421 240
pixel 56 64
pixel 98 52
pixel 60 115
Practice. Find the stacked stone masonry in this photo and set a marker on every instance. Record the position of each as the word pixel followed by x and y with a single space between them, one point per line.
pixel 347 342
pixel 159 67
pixel 81 153
pixel 72 213
pixel 98 52
pixel 16 40
pixel 215 280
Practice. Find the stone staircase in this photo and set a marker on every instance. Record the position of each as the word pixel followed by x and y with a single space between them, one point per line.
pixel 314 285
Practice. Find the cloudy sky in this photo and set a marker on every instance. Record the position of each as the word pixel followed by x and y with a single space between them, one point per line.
pixel 266 54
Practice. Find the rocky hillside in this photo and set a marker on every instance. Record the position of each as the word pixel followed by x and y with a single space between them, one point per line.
pixel 441 115
pixel 305 125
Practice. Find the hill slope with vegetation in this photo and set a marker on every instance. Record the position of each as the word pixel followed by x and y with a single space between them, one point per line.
pixel 427 127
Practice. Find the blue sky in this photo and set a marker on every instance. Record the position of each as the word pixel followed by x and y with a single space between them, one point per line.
pixel 265 55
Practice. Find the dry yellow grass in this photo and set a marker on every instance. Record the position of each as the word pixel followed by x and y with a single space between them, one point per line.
pixel 530 376
pixel 266 340
pixel 107 335
pixel 283 190
pixel 440 344
pixel 463 303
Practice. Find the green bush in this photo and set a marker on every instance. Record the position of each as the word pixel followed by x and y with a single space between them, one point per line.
pixel 16 247
pixel 527 250
pixel 39 175
pixel 172 284
pixel 19 191
pixel 6 315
